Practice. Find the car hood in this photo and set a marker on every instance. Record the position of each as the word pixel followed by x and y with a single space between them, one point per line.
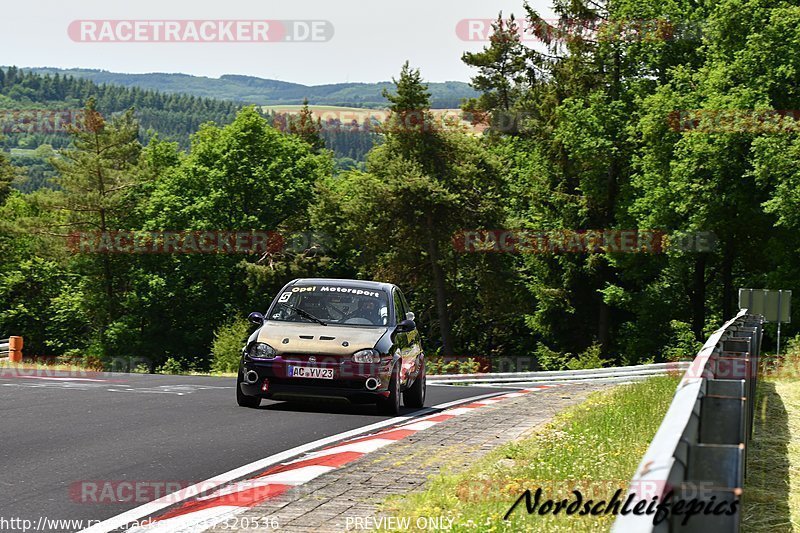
pixel 302 337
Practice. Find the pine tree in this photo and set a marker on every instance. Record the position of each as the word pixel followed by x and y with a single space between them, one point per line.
pixel 95 181
pixel 305 126
pixel 503 74
pixel 413 141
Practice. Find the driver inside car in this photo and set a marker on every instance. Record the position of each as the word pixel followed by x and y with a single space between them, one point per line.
pixel 368 310
pixel 316 306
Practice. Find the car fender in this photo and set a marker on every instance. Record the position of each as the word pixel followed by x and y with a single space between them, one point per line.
pixel 250 340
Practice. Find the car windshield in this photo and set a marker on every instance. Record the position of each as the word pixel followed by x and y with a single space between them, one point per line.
pixel 332 304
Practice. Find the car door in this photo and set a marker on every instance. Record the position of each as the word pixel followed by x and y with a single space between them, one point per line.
pixel 402 338
pixel 414 337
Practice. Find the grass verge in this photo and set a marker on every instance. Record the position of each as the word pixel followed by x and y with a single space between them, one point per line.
pixel 593 447
pixel 75 370
pixel 435 366
pixel 771 500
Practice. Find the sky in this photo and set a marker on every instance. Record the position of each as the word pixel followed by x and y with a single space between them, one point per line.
pixel 370 39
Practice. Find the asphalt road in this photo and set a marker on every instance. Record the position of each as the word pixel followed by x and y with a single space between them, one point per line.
pixel 61 433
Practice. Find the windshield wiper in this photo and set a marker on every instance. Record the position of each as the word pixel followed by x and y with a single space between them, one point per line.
pixel 304 313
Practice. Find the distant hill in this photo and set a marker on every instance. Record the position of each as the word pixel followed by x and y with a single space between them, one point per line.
pixel 261 91
pixel 174 116
pixel 35 110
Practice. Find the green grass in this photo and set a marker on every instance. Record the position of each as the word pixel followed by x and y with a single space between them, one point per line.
pixel 28 367
pixel 594 447
pixel 771 500
pixel 435 366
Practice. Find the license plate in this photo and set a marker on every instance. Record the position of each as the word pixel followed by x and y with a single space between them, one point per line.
pixel 310 372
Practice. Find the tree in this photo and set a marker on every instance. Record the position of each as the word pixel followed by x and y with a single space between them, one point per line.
pixel 504 75
pixel 575 103
pixel 725 173
pixel 412 135
pixel 396 220
pixel 242 177
pixel 412 93
pixel 7 175
pixel 174 116
pixel 305 126
pixel 95 180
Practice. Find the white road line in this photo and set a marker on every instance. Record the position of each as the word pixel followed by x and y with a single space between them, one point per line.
pixel 239 486
pixel 150 508
pixel 419 426
pixel 460 411
pixel 365 446
pixel 59 379
pixel 297 476
pixel 148 391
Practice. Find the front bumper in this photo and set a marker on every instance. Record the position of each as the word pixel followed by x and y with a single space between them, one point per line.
pixel 349 380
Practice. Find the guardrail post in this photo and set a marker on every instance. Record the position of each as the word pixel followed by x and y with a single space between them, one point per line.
pixel 15 349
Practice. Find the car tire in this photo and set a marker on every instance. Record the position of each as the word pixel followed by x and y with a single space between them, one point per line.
pixel 243 400
pixel 391 404
pixel 415 395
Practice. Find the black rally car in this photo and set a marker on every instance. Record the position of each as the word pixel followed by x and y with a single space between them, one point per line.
pixel 335 338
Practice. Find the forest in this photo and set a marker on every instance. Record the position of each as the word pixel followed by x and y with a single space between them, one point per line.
pixel 173 116
pixel 675 134
pixel 36 110
pixel 252 90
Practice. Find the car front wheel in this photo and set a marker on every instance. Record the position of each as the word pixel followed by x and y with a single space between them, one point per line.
pixel 243 400
pixel 415 395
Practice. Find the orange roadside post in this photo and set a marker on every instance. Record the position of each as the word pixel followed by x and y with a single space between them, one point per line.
pixel 15 349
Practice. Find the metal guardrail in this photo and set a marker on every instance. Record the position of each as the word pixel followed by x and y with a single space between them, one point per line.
pixel 11 348
pixel 562 376
pixel 699 451
pixel 5 347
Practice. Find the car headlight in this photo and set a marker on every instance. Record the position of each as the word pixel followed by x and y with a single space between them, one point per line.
pixel 367 356
pixel 261 350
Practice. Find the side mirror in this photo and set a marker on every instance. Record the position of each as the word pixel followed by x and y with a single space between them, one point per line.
pixel 406 326
pixel 256 318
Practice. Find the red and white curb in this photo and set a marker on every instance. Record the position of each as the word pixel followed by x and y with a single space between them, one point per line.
pixel 204 512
